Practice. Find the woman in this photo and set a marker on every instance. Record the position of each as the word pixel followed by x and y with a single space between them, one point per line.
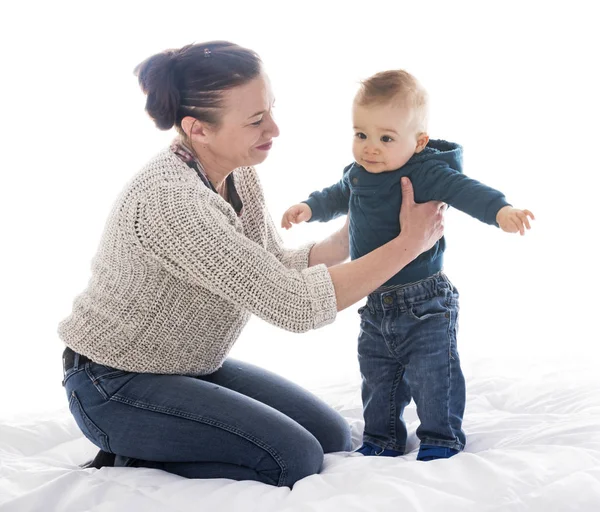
pixel 188 253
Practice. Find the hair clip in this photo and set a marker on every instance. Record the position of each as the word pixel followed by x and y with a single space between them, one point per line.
pixel 207 52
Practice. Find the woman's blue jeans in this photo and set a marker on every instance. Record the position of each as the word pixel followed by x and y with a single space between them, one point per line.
pixel 240 422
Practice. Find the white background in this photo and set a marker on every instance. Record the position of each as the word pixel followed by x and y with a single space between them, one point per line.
pixel 514 82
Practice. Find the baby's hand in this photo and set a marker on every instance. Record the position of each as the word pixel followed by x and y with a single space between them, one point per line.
pixel 298 213
pixel 513 220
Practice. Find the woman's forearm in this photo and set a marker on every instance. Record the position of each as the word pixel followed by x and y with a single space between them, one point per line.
pixel 356 279
pixel 422 226
pixel 331 251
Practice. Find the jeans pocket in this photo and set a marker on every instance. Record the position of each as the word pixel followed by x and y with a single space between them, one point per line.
pixel 107 380
pixel 70 373
pixel 86 425
pixel 453 331
pixel 432 308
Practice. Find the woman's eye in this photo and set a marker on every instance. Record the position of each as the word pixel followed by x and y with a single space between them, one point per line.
pixel 360 135
pixel 257 123
pixel 386 138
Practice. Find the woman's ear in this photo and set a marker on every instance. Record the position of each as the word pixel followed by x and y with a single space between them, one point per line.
pixel 422 141
pixel 194 129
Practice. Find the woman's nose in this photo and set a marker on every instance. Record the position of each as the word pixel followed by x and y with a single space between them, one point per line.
pixel 275 129
pixel 272 127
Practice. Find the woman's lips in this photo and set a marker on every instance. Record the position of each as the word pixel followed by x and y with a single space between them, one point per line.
pixel 266 146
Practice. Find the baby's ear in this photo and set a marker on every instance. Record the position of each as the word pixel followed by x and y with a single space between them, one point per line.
pixel 422 141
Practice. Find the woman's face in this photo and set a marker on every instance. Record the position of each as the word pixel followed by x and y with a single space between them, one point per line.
pixel 247 127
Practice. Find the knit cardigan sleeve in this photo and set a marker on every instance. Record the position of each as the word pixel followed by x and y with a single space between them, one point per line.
pixel 184 227
pixel 291 258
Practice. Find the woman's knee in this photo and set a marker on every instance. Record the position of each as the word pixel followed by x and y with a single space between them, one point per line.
pixel 336 434
pixel 304 459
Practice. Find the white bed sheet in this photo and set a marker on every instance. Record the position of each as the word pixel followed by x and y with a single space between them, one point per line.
pixel 533 445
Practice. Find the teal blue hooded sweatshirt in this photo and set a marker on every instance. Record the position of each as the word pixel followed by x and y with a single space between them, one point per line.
pixel 373 202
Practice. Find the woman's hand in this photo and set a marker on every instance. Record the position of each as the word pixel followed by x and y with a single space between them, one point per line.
pixel 422 225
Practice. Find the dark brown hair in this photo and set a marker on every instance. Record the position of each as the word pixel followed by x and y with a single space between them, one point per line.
pixel 189 81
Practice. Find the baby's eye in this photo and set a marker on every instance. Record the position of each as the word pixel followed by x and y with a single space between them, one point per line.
pixel 386 138
pixel 360 135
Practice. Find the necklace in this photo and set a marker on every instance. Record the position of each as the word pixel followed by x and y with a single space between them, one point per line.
pixel 221 189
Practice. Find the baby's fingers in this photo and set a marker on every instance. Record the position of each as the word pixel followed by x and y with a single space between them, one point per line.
pixel 518 223
pixel 285 221
pixel 524 219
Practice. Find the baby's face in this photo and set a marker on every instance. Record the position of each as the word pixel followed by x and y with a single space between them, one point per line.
pixel 384 136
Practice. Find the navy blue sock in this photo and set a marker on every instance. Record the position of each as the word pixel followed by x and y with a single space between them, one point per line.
pixel 370 450
pixel 429 452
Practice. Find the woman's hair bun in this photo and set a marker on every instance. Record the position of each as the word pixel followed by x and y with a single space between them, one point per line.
pixel 156 76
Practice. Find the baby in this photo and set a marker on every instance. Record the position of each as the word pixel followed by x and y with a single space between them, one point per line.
pixel 407 345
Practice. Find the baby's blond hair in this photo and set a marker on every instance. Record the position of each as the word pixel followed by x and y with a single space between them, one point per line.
pixel 396 86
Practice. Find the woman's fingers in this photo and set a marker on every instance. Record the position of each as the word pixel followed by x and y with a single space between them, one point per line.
pixel 440 219
pixel 408 194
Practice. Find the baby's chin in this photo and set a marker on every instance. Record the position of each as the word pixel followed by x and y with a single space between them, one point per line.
pixel 375 168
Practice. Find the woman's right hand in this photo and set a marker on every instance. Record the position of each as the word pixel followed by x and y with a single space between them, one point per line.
pixel 422 225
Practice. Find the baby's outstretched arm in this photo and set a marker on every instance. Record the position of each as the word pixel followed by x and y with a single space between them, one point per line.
pixel 513 220
pixel 322 206
pixel 296 214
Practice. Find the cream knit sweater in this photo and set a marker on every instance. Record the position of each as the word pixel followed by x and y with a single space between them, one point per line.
pixel 178 273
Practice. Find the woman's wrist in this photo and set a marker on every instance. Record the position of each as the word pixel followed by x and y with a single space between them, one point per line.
pixel 331 251
pixel 354 280
pixel 405 247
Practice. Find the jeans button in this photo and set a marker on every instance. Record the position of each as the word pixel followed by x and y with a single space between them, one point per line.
pixel 388 300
